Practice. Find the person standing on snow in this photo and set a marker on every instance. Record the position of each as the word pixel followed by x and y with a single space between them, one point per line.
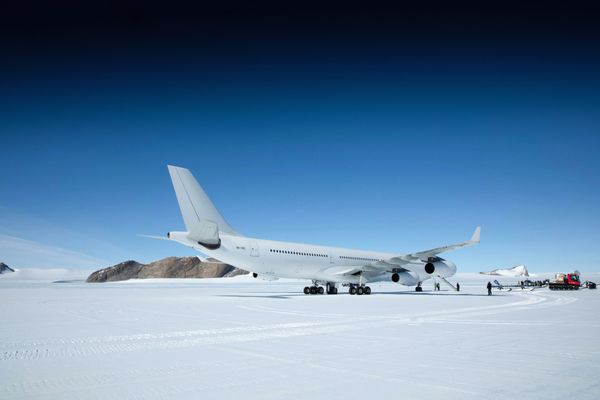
pixel 489 288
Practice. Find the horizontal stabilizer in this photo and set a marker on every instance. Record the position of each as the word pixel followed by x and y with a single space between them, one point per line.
pixel 154 237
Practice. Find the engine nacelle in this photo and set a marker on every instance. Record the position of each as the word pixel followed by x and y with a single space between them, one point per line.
pixel 443 268
pixel 405 278
pixel 420 272
pixel 429 268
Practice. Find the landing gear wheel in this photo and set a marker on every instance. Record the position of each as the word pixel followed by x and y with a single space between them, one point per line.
pixel 367 290
pixel 320 290
pixel 330 289
pixel 352 290
pixel 313 290
pixel 335 290
pixel 306 290
pixel 418 289
pixel 360 290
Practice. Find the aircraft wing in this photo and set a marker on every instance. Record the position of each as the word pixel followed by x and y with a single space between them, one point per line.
pixel 425 255
pixel 400 263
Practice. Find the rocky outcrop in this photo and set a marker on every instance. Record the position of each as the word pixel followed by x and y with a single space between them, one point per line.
pixel 519 270
pixel 5 268
pixel 170 267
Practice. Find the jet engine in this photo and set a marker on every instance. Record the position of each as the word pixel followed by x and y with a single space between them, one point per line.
pixel 440 267
pixel 405 278
pixel 429 268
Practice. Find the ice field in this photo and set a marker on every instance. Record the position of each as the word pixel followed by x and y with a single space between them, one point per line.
pixel 240 338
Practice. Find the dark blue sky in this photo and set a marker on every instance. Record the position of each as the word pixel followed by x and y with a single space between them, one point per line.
pixel 389 132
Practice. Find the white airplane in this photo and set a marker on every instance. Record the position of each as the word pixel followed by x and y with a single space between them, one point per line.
pixel 329 267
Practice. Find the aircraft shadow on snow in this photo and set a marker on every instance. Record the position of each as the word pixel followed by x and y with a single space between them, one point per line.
pixel 280 295
pixel 438 294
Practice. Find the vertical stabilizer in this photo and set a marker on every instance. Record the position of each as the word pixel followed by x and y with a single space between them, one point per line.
pixel 196 207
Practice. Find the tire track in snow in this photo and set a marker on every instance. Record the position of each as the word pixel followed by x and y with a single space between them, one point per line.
pixel 103 345
pixel 526 301
pixel 83 382
pixel 106 345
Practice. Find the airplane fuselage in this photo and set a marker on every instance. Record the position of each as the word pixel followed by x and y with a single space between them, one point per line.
pixel 270 258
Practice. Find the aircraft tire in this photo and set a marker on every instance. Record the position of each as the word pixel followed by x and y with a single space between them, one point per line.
pixel 313 290
pixel 320 290
pixel 352 290
pixel 360 291
pixel 306 290
pixel 367 290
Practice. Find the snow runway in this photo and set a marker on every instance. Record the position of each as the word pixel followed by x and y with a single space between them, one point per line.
pixel 242 338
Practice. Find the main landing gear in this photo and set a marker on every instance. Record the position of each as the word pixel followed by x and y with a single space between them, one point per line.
pixel 316 289
pixel 418 288
pixel 359 290
pixel 331 288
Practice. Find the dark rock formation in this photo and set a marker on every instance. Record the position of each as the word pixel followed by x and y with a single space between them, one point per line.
pixel 170 267
pixel 5 268
pixel 120 272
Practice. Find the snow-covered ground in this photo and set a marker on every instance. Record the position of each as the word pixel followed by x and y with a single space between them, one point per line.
pixel 240 338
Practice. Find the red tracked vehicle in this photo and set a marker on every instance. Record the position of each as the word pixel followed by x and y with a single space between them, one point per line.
pixel 565 282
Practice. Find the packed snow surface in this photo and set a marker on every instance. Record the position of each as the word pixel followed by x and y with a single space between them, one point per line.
pixel 240 338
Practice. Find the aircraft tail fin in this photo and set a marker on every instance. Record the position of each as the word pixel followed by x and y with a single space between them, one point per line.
pixel 198 211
